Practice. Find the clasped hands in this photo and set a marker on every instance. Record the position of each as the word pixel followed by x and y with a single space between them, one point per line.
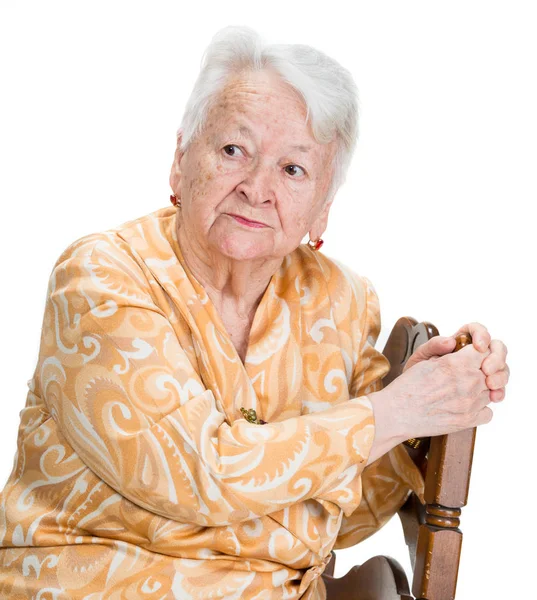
pixel 488 353
pixel 441 391
pixel 494 365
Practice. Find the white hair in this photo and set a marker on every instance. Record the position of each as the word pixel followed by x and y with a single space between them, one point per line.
pixel 328 89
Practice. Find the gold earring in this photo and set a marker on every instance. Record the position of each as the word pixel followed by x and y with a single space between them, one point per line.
pixel 315 245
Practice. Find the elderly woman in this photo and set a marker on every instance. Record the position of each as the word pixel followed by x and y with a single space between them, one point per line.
pixel 207 418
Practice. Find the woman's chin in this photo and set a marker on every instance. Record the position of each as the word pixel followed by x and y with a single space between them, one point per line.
pixel 246 247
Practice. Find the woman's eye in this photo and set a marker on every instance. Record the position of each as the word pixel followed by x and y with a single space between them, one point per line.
pixel 231 150
pixel 294 170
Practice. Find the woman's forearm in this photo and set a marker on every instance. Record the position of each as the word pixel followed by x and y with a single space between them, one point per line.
pixel 388 433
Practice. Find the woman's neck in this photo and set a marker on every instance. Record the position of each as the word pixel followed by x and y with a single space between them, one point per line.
pixel 234 287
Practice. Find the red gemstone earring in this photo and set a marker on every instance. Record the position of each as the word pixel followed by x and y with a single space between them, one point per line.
pixel 175 200
pixel 315 245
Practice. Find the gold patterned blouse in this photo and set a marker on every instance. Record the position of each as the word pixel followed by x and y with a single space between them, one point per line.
pixel 137 475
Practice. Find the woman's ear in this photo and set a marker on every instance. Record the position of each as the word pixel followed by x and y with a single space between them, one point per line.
pixel 175 173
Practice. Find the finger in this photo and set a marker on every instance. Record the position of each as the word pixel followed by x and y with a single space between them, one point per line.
pixel 484 416
pixel 497 395
pixel 498 379
pixel 480 335
pixel 437 346
pixel 471 356
pixel 483 399
pixel 496 360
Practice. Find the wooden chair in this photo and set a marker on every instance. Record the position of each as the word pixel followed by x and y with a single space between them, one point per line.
pixel 432 531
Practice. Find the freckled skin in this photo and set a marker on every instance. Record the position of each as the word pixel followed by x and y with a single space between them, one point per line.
pixel 258 182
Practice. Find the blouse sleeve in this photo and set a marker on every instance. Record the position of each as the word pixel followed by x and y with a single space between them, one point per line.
pixel 117 380
pixel 387 482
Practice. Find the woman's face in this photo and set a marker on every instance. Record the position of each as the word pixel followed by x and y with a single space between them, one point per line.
pixel 255 158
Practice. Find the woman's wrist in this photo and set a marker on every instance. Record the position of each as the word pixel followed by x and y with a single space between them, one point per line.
pixel 387 428
pixel 386 416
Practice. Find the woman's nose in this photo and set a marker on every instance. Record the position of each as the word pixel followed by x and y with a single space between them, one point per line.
pixel 257 187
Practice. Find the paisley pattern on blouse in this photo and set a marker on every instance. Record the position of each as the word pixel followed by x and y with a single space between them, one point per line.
pixel 137 476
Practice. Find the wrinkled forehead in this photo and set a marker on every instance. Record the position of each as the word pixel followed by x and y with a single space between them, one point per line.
pixel 266 84
pixel 261 104
pixel 258 95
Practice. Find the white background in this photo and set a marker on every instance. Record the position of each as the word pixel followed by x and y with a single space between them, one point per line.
pixel 437 210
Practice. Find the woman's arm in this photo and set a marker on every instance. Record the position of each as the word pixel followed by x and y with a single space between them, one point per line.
pixel 390 474
pixel 127 399
pixel 441 395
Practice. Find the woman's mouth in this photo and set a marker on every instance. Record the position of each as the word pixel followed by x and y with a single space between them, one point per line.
pixel 247 222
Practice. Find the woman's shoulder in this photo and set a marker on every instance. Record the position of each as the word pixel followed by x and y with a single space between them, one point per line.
pixel 343 295
pixel 109 260
pixel 112 240
pixel 340 280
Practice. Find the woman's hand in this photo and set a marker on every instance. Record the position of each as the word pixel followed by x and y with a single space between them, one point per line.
pixel 435 347
pixel 440 391
pixel 494 367
pixel 440 395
